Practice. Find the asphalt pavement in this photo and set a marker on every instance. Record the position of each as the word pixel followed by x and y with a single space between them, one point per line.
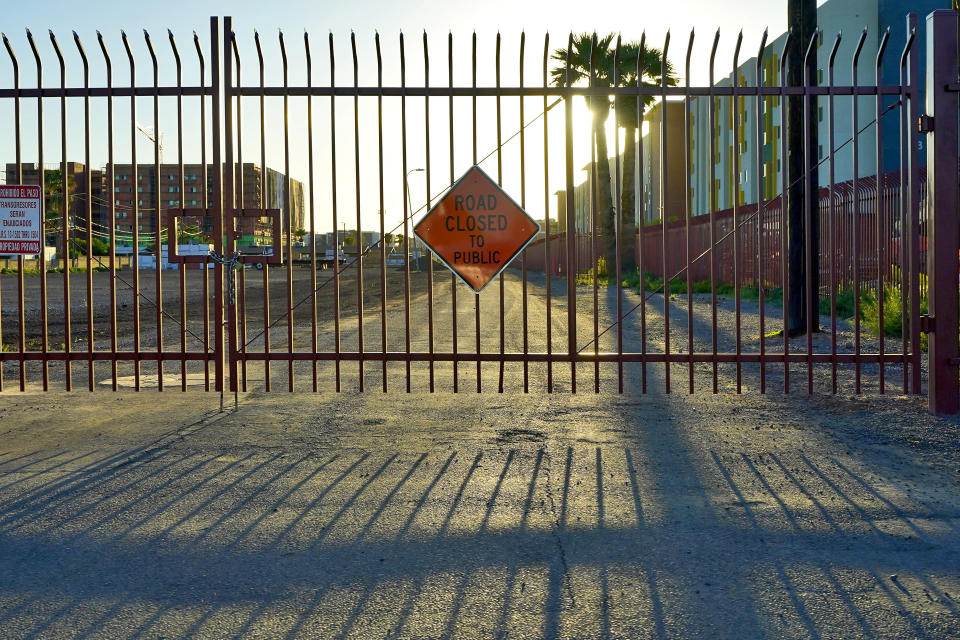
pixel 382 515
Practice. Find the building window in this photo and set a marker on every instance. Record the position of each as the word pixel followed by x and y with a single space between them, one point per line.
pixel 122 176
pixel 116 202
pixel 173 203
pixel 193 202
pixel 116 189
pixel 170 176
pixel 139 176
pixel 192 189
pixel 140 202
pixel 173 189
pixel 139 189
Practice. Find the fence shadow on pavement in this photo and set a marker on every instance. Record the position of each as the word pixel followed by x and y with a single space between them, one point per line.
pixel 650 535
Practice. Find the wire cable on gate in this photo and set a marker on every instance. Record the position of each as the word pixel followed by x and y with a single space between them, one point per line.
pixel 400 224
pixel 141 295
pixel 745 221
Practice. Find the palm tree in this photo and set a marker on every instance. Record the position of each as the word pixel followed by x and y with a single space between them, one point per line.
pixel 636 62
pixel 53 201
pixel 630 57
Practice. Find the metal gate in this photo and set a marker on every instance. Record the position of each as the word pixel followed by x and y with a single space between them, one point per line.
pixel 654 284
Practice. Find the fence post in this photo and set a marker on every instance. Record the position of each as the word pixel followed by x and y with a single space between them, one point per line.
pixel 943 196
pixel 216 202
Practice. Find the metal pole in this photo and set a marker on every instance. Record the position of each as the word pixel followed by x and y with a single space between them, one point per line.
pixel 802 21
pixel 943 196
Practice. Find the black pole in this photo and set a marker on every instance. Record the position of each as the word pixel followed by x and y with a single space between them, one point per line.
pixel 800 172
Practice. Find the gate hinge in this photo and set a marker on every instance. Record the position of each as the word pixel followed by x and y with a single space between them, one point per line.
pixel 925 124
pixel 953 87
pixel 953 362
pixel 927 324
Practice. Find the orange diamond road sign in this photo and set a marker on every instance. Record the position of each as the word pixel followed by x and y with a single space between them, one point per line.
pixel 476 229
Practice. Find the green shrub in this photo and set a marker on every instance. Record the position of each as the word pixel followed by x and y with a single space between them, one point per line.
pixel 893 321
pixel 702 286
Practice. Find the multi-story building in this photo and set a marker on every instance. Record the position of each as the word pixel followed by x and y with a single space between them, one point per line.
pixel 735 130
pixel 719 180
pixel 136 194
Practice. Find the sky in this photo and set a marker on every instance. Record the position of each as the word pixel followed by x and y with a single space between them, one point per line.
pixel 357 151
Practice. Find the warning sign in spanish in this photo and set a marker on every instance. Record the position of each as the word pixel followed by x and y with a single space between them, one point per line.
pixel 20 229
pixel 476 229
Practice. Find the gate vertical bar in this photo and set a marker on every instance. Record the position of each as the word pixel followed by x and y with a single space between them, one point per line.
pixel 44 341
pixel 426 151
pixel 205 201
pixel 500 183
pixel 87 211
pixel 571 227
pixel 313 227
pixel 857 244
pixel 383 251
pixel 913 163
pixel 236 225
pixel 157 213
pixel 784 209
pixel 476 297
pixel 406 211
pixel 688 208
pixel 943 193
pixel 761 206
pixel 288 222
pixel 735 103
pixel 523 205
pixel 359 237
pixel 182 270
pixel 21 331
pixel 453 276
pixel 880 211
pixel 714 195
pixel 663 210
pixel 64 219
pixel 216 205
pixel 548 265
pixel 263 205
pixel 227 201
pixel 592 232
pixel 831 221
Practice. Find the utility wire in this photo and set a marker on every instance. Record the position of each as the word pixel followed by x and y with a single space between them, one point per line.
pixel 400 224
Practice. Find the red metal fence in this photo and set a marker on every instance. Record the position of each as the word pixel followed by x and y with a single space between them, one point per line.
pixel 760 236
pixel 368 322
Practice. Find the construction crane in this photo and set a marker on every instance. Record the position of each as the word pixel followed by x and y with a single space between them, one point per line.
pixel 152 137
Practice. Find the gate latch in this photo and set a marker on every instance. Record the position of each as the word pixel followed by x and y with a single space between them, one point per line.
pixel 925 124
pixel 927 324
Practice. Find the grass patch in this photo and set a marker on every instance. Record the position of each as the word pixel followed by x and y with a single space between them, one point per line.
pixel 34 272
pixel 844 302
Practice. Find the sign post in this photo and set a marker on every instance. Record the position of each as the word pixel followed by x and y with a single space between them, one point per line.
pixel 476 229
pixel 20 228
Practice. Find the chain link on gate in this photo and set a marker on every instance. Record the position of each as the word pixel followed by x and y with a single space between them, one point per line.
pixel 229 264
